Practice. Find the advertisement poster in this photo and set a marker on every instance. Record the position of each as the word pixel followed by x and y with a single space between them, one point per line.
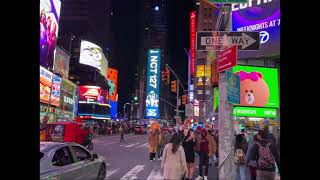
pixel 153 83
pixel 262 16
pixel 89 92
pixel 45 84
pixel 112 77
pixel 103 97
pixel 215 99
pixel 91 54
pixel 49 25
pixel 255 112
pixel 233 88
pixel 61 62
pixel 104 66
pixel 113 109
pixel 259 86
pixel 55 90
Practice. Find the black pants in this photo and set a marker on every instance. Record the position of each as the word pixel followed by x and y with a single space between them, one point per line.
pixel 152 156
pixel 204 160
pixel 121 139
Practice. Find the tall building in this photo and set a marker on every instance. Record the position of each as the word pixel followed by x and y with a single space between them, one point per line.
pixel 153 34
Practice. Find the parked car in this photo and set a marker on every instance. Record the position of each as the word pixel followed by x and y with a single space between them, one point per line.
pixel 140 130
pixel 68 160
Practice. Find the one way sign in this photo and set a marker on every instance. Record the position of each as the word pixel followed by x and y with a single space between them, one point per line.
pixel 217 40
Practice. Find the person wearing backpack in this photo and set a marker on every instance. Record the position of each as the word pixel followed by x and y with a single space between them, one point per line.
pixel 266 155
pixel 240 150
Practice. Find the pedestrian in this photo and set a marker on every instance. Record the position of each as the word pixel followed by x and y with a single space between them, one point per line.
pixel 266 155
pixel 252 163
pixel 270 136
pixel 189 145
pixel 161 144
pixel 153 144
pixel 211 158
pixel 240 150
pixel 216 138
pixel 121 132
pixel 173 164
pixel 207 147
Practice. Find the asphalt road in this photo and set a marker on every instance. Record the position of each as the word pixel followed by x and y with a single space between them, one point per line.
pixel 130 159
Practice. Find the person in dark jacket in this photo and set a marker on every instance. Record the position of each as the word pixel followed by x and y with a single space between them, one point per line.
pixel 270 136
pixel 240 150
pixel 252 163
pixel 189 144
pixel 266 155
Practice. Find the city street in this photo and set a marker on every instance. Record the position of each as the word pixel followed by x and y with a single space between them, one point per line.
pixel 130 159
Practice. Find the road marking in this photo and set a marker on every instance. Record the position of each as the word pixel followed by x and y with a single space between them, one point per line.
pixel 142 145
pixel 132 174
pixel 131 145
pixel 155 175
pixel 110 172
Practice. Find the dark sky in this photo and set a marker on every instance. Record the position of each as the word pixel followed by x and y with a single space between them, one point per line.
pixel 125 25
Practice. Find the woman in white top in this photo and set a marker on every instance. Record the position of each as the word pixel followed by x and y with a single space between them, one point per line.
pixel 173 163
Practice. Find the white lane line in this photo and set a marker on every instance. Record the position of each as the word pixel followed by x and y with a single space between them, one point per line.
pixel 142 145
pixel 155 175
pixel 110 172
pixel 132 174
pixel 131 145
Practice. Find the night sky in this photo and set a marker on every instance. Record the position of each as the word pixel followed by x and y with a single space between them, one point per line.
pixel 125 26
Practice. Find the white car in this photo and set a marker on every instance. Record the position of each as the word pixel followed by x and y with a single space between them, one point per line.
pixel 70 161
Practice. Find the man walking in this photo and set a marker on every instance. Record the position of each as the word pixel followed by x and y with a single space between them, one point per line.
pixel 121 132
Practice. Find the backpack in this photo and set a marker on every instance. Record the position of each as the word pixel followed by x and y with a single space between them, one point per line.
pixel 239 156
pixel 265 160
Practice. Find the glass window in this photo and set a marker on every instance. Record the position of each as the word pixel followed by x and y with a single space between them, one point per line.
pixel 62 157
pixel 80 153
pixel 256 62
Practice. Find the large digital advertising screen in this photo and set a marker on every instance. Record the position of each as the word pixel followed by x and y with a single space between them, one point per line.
pixel 49 24
pixel 153 82
pixel 259 86
pixel 91 54
pixel 61 62
pixel 89 92
pixel 113 109
pixel 55 90
pixel 112 78
pixel 262 16
pixel 45 84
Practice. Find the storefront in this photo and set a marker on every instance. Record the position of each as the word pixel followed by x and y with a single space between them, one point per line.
pixel 48 111
pixel 67 101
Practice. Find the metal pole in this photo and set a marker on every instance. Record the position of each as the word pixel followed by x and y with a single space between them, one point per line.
pixel 131 110
pixel 177 109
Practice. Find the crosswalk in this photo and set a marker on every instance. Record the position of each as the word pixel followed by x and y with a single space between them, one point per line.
pixel 135 145
pixel 135 173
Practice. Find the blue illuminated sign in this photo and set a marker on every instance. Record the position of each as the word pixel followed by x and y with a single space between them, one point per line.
pixel 153 82
pixel 262 16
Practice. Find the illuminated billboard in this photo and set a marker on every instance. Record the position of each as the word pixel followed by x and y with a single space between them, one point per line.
pixel 49 25
pixel 45 84
pixel 55 90
pixel 259 86
pixel 262 16
pixel 193 30
pixel 112 77
pixel 153 82
pixel 61 62
pixel 91 54
pixel 89 93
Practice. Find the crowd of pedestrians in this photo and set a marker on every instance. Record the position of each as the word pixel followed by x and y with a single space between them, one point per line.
pixel 256 156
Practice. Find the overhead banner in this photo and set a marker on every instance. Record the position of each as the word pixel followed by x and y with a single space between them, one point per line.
pixel 255 112
pixel 153 82
pixel 49 25
pixel 261 16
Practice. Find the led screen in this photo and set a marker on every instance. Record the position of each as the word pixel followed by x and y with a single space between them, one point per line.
pixel 91 54
pixel 49 24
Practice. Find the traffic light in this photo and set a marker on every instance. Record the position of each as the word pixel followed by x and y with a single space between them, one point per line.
pixel 174 86
pixel 184 99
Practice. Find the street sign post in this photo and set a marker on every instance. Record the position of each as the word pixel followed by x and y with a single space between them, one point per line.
pixel 233 87
pixel 227 58
pixel 227 1
pixel 217 40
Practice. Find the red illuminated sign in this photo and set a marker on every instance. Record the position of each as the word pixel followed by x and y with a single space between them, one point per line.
pixel 192 39
pixel 227 58
pixel 89 92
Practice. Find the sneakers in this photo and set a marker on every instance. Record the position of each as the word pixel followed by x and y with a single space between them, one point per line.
pixel 199 178
pixel 159 159
pixel 205 178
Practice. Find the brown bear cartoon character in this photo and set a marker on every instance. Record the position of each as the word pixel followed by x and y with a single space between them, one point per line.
pixel 253 89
